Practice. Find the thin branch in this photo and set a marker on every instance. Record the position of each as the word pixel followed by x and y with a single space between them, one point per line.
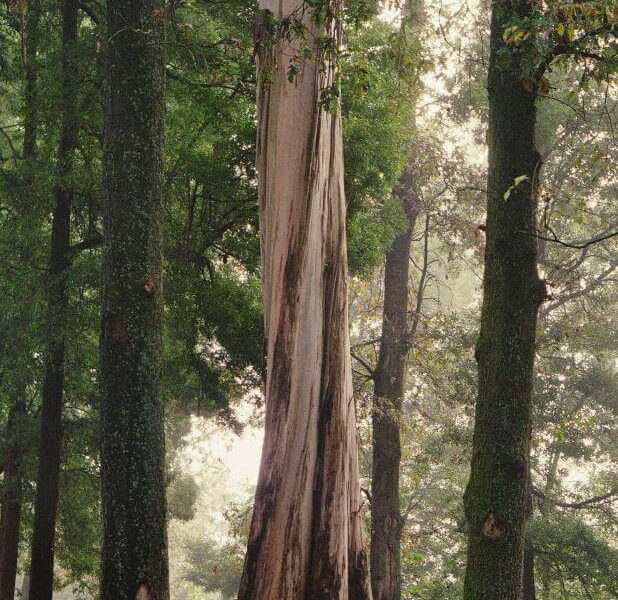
pixel 576 245
pixel 590 502
pixel 370 370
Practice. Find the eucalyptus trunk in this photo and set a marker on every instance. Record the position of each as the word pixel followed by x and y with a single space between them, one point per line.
pixel 497 493
pixel 306 533
pixel 134 554
pixel 389 386
pixel 10 517
pixel 50 441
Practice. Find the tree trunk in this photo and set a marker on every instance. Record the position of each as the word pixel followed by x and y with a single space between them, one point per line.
pixel 42 564
pixel 389 382
pixel 496 495
pixel 305 540
pixel 529 582
pixel 134 554
pixel 30 49
pixel 10 517
pixel 11 501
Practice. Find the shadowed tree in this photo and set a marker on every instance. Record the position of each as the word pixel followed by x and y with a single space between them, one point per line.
pixel 134 554
pixel 10 518
pixel 389 385
pixel 50 444
pixel 497 492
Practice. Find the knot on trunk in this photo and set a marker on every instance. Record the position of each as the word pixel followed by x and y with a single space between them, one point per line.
pixel 493 528
pixel 144 592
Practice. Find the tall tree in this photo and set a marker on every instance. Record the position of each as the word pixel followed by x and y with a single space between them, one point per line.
pixel 50 441
pixel 10 517
pixel 389 385
pixel 305 539
pixel 497 492
pixel 134 554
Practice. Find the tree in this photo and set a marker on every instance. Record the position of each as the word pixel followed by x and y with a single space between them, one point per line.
pixel 134 553
pixel 305 538
pixel 389 386
pixel 389 375
pixel 11 515
pixel 496 495
pixel 50 441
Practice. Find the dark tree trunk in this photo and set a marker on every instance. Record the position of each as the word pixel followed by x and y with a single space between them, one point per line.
pixel 496 496
pixel 134 555
pixel 389 382
pixel 529 582
pixel 10 517
pixel 11 501
pixel 30 48
pixel 43 535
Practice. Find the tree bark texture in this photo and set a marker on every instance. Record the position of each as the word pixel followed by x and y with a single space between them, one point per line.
pixel 305 540
pixel 10 519
pixel 389 386
pixel 50 441
pixel 134 554
pixel 496 495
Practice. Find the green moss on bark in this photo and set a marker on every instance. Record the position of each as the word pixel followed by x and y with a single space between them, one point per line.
pixel 495 499
pixel 134 543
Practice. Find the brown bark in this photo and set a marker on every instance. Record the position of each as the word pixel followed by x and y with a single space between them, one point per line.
pixel 305 540
pixel 50 440
pixel 134 561
pixel 389 383
pixel 497 492
pixel 11 502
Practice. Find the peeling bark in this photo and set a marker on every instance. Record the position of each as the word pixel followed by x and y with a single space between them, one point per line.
pixel 134 555
pixel 497 492
pixel 305 540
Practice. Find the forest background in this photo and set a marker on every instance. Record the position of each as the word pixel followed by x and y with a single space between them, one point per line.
pixel 415 113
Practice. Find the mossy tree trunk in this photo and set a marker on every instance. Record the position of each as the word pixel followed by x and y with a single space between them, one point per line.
pixel 134 554
pixel 496 496
pixel 389 385
pixel 10 517
pixel 305 539
pixel 50 442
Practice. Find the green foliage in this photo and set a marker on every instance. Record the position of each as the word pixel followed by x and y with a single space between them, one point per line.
pixel 572 561
pixel 378 111
pixel 182 495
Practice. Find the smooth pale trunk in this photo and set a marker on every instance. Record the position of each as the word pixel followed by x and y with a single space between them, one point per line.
pixel 305 539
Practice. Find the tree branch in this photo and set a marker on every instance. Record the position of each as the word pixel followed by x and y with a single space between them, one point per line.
pixel 576 505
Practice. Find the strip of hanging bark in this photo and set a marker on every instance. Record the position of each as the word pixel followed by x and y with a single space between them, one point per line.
pixel 305 539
